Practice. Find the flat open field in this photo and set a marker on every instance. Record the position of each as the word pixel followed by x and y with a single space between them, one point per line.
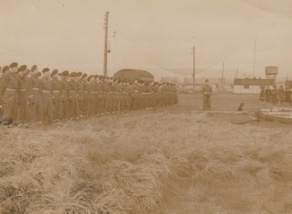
pixel 174 160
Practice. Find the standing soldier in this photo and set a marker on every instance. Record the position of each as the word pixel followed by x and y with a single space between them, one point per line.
pixel 22 96
pixel 85 95
pixel 80 93
pixel 108 93
pixel 34 95
pixel 99 89
pixel 160 95
pixel 73 106
pixel 91 90
pixel 120 101
pixel 129 96
pixel 96 89
pixel 274 95
pixel 288 95
pixel 206 91
pixel 46 89
pixel 268 94
pixel 87 90
pixel 65 95
pixel 10 95
pixel 262 94
pixel 163 89
pixel 281 94
pixel 115 96
pixel 124 96
pixel 104 94
pixel 3 76
pixel 155 88
pixel 56 95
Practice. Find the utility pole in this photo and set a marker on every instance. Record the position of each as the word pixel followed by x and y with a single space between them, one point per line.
pixel 255 52
pixel 222 74
pixel 194 67
pixel 105 44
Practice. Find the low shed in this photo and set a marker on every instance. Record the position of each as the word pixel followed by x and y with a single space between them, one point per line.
pixel 132 74
pixel 251 86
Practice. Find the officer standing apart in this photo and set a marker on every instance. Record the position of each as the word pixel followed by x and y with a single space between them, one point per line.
pixel 206 91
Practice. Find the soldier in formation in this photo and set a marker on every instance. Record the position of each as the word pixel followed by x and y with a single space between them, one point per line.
pixel 28 95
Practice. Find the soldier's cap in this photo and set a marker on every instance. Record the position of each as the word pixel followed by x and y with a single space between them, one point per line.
pixel 38 74
pixel 65 73
pixel 21 68
pixel 54 72
pixel 89 78
pixel 206 80
pixel 73 74
pixel 101 77
pixel 13 64
pixel 84 75
pixel 5 69
pixel 33 68
pixel 95 76
pixel 46 70
pixel 79 74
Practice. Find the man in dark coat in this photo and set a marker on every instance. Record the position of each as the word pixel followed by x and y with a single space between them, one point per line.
pixel 206 91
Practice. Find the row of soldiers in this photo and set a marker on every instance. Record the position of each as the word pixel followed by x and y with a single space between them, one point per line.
pixel 28 95
pixel 276 95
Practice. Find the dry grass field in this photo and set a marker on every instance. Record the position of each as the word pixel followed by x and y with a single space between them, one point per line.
pixel 176 160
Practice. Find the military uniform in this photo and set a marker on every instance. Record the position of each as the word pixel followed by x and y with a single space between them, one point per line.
pixel 22 112
pixel 136 96
pixel 281 94
pixel 80 94
pixel 73 101
pixel 99 91
pixel 206 91
pixel 56 95
pixel 65 96
pixel 46 92
pixel 34 95
pixel 10 96
pixel 107 96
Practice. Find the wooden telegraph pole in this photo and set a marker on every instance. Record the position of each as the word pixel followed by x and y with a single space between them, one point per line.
pixel 255 53
pixel 194 67
pixel 105 44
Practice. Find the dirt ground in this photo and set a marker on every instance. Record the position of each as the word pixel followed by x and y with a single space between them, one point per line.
pixel 224 102
pixel 231 102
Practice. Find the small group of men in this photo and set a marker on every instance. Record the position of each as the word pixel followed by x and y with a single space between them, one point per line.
pixel 28 95
pixel 276 96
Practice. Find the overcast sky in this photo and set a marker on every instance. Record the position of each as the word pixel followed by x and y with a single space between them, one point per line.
pixel 69 34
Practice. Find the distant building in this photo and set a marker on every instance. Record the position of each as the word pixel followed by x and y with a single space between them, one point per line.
pixel 288 83
pixel 132 74
pixel 251 86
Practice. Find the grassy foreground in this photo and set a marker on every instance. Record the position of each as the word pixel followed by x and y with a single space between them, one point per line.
pixel 174 160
